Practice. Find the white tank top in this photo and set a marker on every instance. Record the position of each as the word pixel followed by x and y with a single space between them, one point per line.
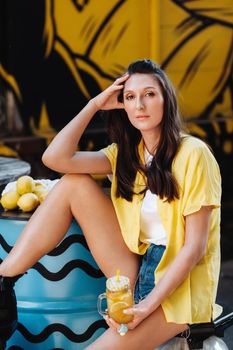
pixel 151 228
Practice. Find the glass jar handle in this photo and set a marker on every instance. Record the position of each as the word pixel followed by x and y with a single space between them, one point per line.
pixel 99 304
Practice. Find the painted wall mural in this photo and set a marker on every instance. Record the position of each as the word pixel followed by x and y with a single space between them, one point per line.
pixel 58 54
pixel 197 53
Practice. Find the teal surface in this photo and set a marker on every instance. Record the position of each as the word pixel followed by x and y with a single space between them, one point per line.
pixel 57 297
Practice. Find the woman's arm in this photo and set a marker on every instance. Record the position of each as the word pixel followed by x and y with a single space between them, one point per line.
pixel 196 237
pixel 61 154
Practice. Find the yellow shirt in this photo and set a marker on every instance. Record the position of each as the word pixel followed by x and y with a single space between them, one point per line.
pixel 198 177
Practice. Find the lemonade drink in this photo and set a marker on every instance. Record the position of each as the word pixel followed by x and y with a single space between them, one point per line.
pixel 119 298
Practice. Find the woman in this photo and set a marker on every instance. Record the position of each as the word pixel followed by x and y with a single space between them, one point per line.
pixel 164 206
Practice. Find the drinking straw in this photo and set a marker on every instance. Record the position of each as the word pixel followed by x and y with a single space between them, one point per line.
pixel 118 275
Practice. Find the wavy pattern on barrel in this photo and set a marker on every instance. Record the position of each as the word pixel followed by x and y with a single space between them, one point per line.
pixel 66 269
pixel 57 297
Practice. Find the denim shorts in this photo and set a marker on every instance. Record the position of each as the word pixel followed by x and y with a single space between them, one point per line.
pixel 146 281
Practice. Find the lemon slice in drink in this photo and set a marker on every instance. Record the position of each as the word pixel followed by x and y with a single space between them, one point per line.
pixel 116 312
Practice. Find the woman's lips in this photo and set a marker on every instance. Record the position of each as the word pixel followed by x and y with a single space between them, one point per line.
pixel 142 116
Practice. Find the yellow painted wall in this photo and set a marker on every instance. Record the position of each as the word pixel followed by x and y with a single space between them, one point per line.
pixel 207 47
pixel 127 36
pixel 152 28
pixel 193 43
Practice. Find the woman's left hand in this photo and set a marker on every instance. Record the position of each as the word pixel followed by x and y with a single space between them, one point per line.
pixel 140 311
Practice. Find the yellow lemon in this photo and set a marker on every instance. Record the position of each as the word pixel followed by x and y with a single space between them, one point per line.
pixel 42 195
pixel 116 312
pixel 41 192
pixel 9 200
pixel 39 189
pixel 25 184
pixel 28 202
pixel 39 186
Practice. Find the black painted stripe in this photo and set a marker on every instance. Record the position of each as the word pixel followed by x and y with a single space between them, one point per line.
pixel 68 241
pixel 61 248
pixel 5 245
pixel 103 25
pixel 58 327
pixel 66 269
pixel 71 265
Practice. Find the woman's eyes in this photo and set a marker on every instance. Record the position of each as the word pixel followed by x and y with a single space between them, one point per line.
pixel 150 93
pixel 131 97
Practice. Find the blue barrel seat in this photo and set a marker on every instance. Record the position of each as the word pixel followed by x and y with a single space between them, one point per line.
pixel 57 297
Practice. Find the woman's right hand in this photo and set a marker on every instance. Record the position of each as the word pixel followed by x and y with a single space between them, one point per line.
pixel 108 99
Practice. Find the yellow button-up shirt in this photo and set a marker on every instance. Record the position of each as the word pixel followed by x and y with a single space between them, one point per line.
pixel 199 181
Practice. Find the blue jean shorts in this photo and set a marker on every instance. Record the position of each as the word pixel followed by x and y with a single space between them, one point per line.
pixel 146 280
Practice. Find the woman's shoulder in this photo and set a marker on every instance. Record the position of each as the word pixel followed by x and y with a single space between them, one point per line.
pixel 111 148
pixel 192 149
pixel 111 152
pixel 190 144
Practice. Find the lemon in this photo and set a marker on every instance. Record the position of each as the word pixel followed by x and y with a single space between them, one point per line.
pixel 42 195
pixel 25 184
pixel 39 186
pixel 9 200
pixel 116 312
pixel 120 305
pixel 39 189
pixel 41 192
pixel 28 202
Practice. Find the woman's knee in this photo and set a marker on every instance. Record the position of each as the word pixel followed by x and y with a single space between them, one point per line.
pixel 75 181
pixel 79 188
pixel 68 178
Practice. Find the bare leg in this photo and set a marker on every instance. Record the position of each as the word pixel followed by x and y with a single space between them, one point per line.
pixel 78 196
pixel 148 335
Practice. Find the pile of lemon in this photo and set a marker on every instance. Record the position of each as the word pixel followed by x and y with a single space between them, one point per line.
pixel 25 194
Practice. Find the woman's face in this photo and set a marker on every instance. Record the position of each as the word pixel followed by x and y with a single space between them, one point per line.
pixel 143 102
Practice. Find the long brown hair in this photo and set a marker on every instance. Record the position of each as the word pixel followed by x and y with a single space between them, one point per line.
pixel 160 179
